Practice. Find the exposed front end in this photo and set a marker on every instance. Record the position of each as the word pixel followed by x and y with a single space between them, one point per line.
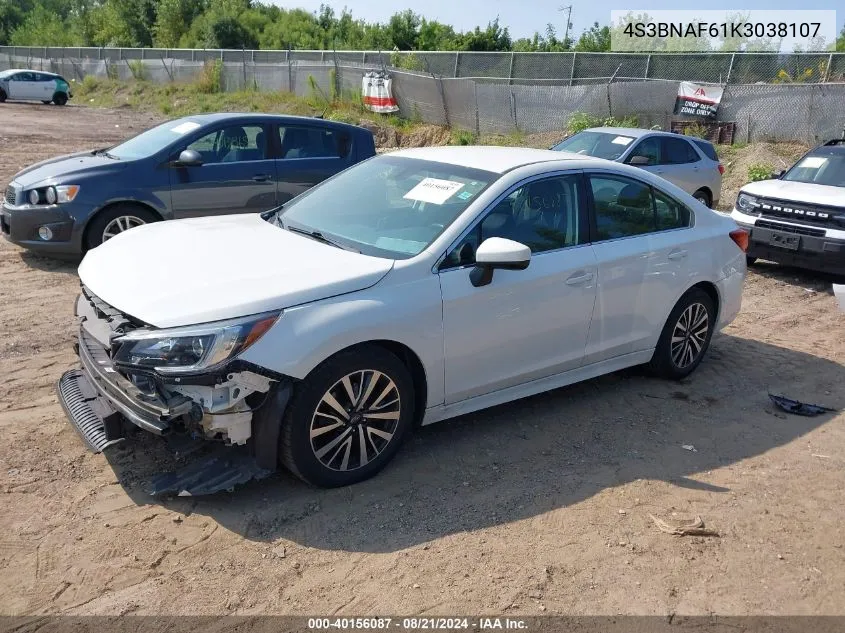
pixel 176 382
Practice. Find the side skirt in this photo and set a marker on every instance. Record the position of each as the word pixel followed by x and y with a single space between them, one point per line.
pixel 444 412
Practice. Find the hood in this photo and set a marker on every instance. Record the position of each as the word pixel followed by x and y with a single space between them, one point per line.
pixel 65 167
pixel 184 272
pixel 805 192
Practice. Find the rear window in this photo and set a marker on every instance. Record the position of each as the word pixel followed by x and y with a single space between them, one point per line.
pixel 313 142
pixel 707 148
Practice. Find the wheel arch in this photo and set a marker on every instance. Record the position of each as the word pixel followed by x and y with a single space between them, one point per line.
pixel 705 189
pixel 712 291
pixel 114 203
pixel 412 363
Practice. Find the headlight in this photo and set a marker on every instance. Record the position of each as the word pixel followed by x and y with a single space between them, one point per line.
pixel 66 193
pixel 747 203
pixel 192 348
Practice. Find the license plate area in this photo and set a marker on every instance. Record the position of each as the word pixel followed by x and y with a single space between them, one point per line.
pixel 788 241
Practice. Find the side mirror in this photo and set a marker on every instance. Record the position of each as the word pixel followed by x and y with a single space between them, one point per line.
pixel 639 161
pixel 189 158
pixel 776 175
pixel 497 252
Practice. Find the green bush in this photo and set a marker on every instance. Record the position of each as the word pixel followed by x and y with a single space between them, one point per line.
pixel 760 171
pixel 139 69
pixel 697 130
pixel 580 121
pixel 210 79
pixel 462 137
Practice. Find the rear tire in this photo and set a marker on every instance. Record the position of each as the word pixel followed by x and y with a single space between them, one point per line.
pixel 60 98
pixel 750 261
pixel 114 220
pixel 703 197
pixel 2 96
pixel 46 102
pixel 685 337
pixel 328 447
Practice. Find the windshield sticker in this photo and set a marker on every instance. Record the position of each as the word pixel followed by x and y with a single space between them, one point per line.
pixel 433 190
pixel 184 128
pixel 465 195
pixel 622 140
pixel 813 162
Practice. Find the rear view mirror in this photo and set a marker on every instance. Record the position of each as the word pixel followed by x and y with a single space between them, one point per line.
pixel 498 252
pixel 189 158
pixel 639 161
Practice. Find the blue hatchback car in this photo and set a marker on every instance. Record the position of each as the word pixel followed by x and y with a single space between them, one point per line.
pixel 199 165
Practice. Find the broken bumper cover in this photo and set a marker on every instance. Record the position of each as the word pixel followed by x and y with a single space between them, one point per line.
pixel 98 400
pixel 99 391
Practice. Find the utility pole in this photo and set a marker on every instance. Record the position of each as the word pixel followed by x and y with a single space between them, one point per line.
pixel 568 10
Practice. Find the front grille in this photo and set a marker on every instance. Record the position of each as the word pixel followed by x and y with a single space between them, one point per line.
pixel 789 228
pixel 812 214
pixel 11 196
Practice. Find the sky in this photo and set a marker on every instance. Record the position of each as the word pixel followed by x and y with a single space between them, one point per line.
pixel 524 17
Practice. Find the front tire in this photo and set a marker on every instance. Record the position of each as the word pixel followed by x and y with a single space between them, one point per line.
pixel 348 418
pixel 115 220
pixel 750 261
pixel 685 337
pixel 60 98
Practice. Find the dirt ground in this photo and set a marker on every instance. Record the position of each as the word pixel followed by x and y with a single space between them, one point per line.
pixel 539 506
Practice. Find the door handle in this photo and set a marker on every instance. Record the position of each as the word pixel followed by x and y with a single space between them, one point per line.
pixel 261 177
pixel 680 254
pixel 576 279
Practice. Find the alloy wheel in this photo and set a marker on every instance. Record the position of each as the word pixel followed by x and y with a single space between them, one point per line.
pixel 120 224
pixel 689 335
pixel 355 420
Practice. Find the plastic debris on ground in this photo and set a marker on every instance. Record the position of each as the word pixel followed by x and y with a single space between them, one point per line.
pixel 799 408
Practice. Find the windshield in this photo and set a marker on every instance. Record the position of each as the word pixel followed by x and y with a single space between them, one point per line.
pixel 153 140
pixel 387 206
pixel 598 144
pixel 824 167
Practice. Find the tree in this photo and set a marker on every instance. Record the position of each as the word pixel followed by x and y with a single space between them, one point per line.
pixel 595 39
pixel 174 19
pixel 403 30
pixel 493 38
pixel 41 27
pixel 840 41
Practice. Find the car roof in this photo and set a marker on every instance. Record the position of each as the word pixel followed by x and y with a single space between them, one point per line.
pixel 11 71
pixel 490 158
pixel 637 132
pixel 214 117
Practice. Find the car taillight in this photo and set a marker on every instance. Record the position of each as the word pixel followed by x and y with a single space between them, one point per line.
pixel 721 169
pixel 740 237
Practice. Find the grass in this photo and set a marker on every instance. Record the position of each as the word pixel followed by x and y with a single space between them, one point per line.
pixel 178 99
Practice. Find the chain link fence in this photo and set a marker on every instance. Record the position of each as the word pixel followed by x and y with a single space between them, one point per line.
pixel 496 93
pixel 569 67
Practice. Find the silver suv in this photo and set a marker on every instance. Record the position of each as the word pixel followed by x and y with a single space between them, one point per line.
pixel 689 162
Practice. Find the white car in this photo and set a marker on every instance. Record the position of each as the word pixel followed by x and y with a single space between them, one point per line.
pixel 412 288
pixel 34 85
pixel 798 216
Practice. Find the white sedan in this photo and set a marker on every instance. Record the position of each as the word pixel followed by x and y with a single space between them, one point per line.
pixel 414 287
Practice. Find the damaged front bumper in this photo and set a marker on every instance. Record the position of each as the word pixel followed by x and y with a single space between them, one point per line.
pixel 99 400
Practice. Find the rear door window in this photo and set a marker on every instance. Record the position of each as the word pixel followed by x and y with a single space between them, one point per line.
pixel 677 151
pixel 300 141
